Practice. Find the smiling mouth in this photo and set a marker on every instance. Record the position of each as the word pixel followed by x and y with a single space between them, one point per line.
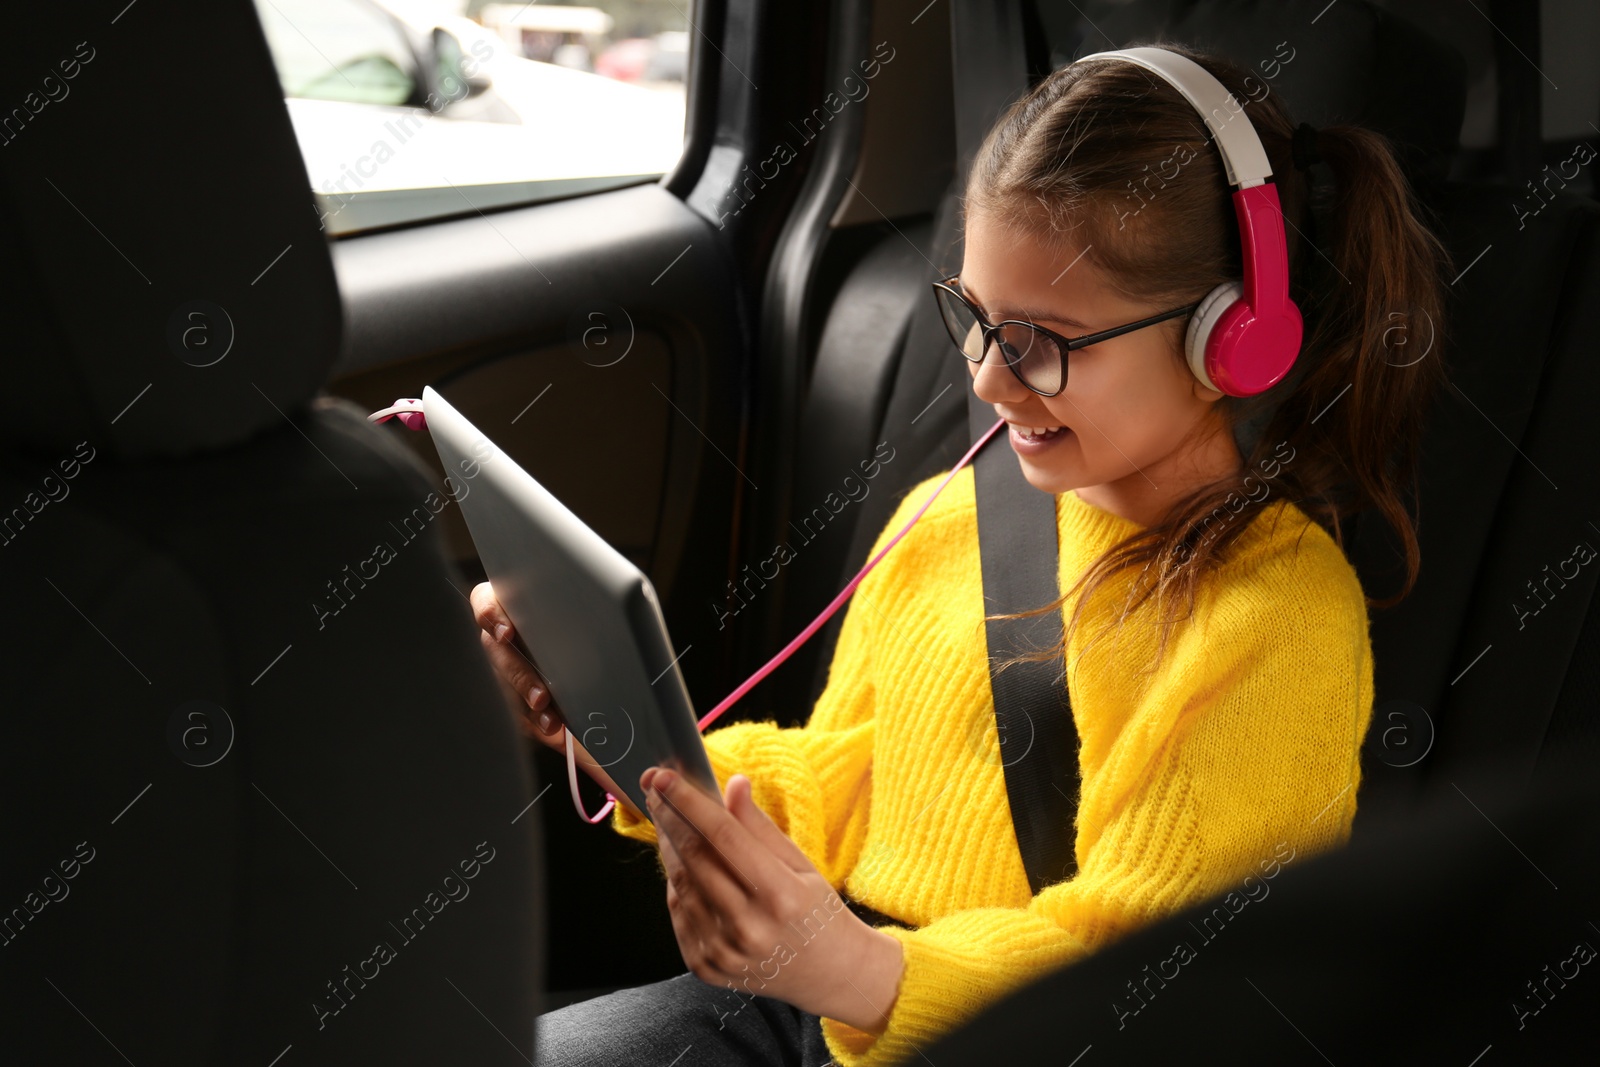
pixel 1038 433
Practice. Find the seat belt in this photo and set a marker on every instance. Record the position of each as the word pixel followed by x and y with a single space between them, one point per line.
pixel 1018 542
pixel 1017 529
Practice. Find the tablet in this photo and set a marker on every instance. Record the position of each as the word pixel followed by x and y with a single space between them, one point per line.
pixel 588 618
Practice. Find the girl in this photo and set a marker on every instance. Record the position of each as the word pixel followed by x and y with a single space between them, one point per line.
pixel 1216 644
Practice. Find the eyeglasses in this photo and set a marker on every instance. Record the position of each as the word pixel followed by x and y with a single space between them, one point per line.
pixel 1037 356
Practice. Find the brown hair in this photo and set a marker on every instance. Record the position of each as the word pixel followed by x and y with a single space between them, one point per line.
pixel 1107 156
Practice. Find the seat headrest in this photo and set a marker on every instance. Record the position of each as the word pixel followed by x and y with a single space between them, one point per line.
pixel 167 285
pixel 1345 62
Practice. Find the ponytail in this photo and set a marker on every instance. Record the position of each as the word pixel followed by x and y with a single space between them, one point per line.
pixel 1374 353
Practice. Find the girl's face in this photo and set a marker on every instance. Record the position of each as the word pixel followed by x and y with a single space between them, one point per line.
pixel 1128 403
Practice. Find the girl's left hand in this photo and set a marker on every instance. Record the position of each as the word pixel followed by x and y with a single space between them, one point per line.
pixel 752 913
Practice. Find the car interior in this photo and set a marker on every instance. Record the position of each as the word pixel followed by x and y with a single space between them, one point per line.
pixel 696 363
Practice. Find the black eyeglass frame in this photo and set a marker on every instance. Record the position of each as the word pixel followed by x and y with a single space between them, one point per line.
pixel 1063 344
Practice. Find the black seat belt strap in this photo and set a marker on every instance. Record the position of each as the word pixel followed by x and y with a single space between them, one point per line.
pixel 1018 540
pixel 1017 531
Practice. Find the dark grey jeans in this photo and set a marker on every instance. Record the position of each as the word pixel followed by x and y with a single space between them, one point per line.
pixel 681 1022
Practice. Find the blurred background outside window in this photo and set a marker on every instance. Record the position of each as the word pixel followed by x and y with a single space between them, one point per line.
pixel 415 109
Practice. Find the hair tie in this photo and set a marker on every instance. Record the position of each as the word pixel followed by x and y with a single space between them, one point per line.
pixel 1304 147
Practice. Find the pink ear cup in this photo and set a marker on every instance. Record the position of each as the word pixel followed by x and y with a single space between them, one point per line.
pixel 1238 353
pixel 1247 353
pixel 1244 336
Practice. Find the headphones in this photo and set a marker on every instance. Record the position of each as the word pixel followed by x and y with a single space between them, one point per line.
pixel 1245 335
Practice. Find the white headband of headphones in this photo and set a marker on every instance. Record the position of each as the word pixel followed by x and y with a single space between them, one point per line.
pixel 1242 154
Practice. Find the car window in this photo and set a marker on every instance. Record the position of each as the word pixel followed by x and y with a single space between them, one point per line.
pixel 411 109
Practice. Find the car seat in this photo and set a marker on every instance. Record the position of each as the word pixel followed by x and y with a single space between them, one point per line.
pixel 263 795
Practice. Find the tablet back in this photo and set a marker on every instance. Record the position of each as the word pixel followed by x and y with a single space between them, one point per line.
pixel 588 618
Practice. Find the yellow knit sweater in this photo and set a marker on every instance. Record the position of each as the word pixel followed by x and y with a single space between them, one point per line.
pixel 1245 739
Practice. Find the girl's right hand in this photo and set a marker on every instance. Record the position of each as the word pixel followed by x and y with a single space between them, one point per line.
pixel 542 720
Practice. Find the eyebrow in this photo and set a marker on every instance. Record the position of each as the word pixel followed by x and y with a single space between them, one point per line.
pixel 1028 314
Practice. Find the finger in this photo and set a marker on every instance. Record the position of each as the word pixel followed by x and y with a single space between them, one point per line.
pixel 510 664
pixel 549 733
pixel 678 906
pixel 683 892
pixel 744 808
pixel 708 836
pixel 704 934
pixel 514 667
pixel 704 872
pixel 687 928
pixel 489 613
pixel 685 900
pixel 671 862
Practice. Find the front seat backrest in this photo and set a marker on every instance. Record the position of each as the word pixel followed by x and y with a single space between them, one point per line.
pixel 262 792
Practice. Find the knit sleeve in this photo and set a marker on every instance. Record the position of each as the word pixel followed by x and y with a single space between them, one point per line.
pixel 1241 756
pixel 814 781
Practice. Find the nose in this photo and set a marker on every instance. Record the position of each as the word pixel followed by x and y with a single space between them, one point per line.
pixel 992 380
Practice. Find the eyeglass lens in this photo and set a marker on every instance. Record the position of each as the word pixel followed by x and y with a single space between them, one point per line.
pixel 1034 356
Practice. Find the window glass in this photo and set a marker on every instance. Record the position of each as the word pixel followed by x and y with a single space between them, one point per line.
pixel 357 54
pixel 415 109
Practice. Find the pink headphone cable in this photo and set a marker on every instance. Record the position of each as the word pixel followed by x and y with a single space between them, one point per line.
pixel 409 412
